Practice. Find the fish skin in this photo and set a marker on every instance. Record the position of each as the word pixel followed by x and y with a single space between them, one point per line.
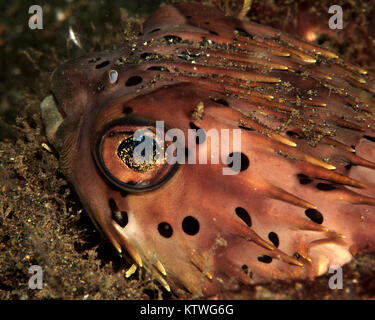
pixel 286 95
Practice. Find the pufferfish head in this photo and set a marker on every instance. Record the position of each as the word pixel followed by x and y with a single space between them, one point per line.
pixel 302 197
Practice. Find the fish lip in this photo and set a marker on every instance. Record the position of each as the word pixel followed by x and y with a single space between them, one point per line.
pixel 52 116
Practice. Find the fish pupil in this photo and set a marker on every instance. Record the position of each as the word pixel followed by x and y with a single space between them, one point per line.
pixel 125 152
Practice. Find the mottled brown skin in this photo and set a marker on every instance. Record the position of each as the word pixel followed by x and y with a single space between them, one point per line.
pixel 308 128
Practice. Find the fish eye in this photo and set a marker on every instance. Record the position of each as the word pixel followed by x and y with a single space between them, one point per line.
pixel 131 155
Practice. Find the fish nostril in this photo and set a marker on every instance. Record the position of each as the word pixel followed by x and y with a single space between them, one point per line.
pixel 245 162
pixel 243 215
pixel 121 217
pixel 190 225
pixel 133 81
pixel 274 239
pixel 314 215
pixel 112 76
pixel 165 229
pixel 265 259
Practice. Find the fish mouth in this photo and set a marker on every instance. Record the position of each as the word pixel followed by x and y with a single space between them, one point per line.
pixel 52 116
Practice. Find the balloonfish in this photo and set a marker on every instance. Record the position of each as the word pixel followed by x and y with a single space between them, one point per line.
pixel 291 192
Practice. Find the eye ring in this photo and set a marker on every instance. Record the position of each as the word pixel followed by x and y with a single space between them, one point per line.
pixel 97 155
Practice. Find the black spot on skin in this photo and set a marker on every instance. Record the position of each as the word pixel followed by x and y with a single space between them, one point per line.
pixel 372 139
pixel 243 215
pixel 123 193
pixel 321 39
pixel 292 134
pixel 274 239
pixel 243 33
pixel 165 229
pixel 121 217
pixel 314 215
pixel 190 225
pixel 245 162
pixel 245 268
pixel 243 127
pixel 201 135
pixel 265 259
pixel 158 68
pixel 127 110
pixel 112 204
pixel 146 55
pixel 303 179
pixel 102 65
pixel 154 30
pixel 221 101
pixel 133 81
pixel 213 32
pixel 348 166
pixel 325 187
